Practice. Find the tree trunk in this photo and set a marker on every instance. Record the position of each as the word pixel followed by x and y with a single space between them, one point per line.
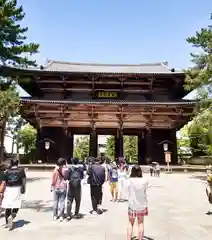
pixel 2 131
pixel 17 150
pixel 13 143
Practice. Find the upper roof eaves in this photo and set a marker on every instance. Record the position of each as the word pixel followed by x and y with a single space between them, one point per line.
pixel 57 66
pixel 80 68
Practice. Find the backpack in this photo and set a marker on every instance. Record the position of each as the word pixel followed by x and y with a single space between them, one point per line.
pixel 75 177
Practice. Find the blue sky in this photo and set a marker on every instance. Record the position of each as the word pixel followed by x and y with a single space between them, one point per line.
pixel 118 31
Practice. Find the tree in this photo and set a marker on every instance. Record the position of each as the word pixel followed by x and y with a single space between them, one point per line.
pixel 110 147
pixel 14 125
pixel 200 134
pixel 13 52
pixel 81 149
pixel 131 148
pixel 200 75
pixel 9 107
pixel 27 138
pixel 13 49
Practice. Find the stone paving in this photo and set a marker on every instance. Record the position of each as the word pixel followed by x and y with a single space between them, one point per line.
pixel 177 211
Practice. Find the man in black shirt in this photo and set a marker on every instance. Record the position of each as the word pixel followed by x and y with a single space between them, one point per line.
pixel 96 179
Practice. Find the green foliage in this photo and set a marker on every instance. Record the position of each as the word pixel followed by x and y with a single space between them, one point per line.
pixel 81 149
pixel 201 74
pixel 27 138
pixel 13 52
pixel 9 106
pixel 9 103
pixel 200 77
pixel 184 142
pixel 110 147
pixel 13 126
pixel 131 148
pixel 13 49
pixel 200 133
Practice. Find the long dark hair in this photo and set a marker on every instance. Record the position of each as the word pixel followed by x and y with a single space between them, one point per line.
pixel 136 172
pixel 14 163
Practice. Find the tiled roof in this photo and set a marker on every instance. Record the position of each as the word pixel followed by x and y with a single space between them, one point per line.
pixel 106 68
pixel 69 67
pixel 112 102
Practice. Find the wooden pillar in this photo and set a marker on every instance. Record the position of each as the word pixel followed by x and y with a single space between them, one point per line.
pixel 142 148
pixel 119 144
pixel 93 143
pixel 149 146
pixel 173 139
pixel 69 141
pixel 70 147
pixel 38 152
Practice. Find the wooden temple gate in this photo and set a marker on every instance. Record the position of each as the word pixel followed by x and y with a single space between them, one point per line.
pixel 68 98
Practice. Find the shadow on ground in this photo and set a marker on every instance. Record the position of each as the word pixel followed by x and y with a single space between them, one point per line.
pixel 145 238
pixel 33 179
pixel 38 205
pixel 19 224
pixel 200 177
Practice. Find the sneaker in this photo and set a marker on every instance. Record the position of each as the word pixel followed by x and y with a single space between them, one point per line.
pixel 55 218
pixel 99 212
pixel 100 209
pixel 68 218
pixel 61 219
pixel 77 216
pixel 94 213
pixel 9 222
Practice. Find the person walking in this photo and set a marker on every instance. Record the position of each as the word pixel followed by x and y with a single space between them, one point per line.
pixel 113 181
pixel 59 188
pixel 157 167
pixel 122 176
pixel 14 186
pixel 96 179
pixel 151 170
pixel 75 176
pixel 137 201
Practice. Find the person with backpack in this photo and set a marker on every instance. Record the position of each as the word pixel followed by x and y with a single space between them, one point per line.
pixel 59 189
pixel 113 181
pixel 12 189
pixel 76 175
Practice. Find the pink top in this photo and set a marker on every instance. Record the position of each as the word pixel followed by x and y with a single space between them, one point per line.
pixel 57 180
